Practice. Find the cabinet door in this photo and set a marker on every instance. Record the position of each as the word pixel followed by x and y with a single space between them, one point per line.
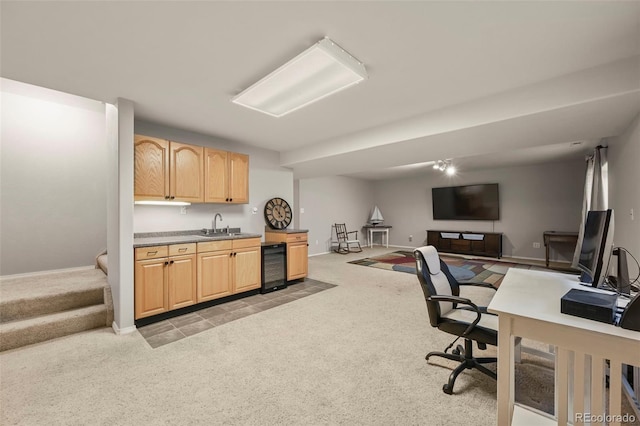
pixel 214 275
pixel 297 260
pixel 151 168
pixel 238 178
pixel 182 281
pixel 216 176
pixel 186 172
pixel 246 269
pixel 150 287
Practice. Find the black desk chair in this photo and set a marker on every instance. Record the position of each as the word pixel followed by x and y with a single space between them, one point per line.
pixel 455 315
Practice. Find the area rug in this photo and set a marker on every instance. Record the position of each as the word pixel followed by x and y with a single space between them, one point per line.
pixel 476 270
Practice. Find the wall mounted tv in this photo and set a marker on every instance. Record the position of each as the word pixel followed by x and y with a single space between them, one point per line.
pixel 469 202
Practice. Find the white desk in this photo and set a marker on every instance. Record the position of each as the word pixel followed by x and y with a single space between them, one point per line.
pixel 528 305
pixel 384 230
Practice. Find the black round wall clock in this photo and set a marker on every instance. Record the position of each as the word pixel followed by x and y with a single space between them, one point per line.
pixel 277 213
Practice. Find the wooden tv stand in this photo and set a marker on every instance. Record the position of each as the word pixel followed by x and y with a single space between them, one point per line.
pixel 463 242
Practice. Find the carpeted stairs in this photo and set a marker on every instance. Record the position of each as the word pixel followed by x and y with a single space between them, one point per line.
pixel 38 308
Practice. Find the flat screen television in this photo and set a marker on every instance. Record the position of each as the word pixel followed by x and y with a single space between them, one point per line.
pixel 469 202
pixel 595 250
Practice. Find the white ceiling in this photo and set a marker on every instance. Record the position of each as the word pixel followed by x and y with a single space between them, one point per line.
pixel 485 83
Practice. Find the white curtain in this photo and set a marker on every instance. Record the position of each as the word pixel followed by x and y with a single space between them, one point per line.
pixel 596 190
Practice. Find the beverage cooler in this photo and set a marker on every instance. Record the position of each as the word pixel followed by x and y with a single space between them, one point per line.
pixel 274 267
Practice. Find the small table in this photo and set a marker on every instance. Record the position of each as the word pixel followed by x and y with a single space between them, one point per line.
pixel 557 237
pixel 384 229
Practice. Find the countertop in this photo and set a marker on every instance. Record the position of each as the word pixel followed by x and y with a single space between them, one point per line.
pixel 285 231
pixel 182 237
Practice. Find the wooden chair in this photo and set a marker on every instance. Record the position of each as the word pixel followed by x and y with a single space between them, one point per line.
pixel 345 243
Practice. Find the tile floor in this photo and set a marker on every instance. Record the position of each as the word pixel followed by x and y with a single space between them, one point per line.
pixel 174 329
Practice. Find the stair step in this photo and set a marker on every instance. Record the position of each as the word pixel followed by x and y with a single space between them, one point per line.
pixel 29 297
pixel 24 332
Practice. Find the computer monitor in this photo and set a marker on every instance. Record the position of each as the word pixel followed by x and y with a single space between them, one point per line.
pixel 595 250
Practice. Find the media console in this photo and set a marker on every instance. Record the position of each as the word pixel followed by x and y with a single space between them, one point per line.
pixel 473 243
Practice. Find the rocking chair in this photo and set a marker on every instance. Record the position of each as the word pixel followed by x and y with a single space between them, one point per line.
pixel 346 244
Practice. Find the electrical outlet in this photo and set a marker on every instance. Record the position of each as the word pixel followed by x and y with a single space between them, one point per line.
pixel 183 210
pixel 536 245
pixel 301 209
pixel 410 237
pixel 316 242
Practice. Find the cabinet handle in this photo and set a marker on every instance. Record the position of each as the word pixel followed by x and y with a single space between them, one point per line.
pixel 151 253
pixel 226 199
pixel 230 254
pixel 166 263
pixel 182 249
pixel 230 199
pixel 172 197
pixel 166 197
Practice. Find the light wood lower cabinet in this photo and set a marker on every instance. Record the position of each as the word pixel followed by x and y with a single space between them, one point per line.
pixel 165 278
pixel 297 252
pixel 228 267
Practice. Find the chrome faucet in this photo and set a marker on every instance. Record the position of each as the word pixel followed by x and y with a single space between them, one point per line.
pixel 214 221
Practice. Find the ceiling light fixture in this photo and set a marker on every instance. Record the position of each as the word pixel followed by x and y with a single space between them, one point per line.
pixel 445 166
pixel 321 70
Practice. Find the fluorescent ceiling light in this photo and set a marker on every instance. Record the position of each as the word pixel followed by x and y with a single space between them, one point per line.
pixel 162 203
pixel 321 70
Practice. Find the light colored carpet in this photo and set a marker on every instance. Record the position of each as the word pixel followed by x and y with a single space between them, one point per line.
pixel 353 354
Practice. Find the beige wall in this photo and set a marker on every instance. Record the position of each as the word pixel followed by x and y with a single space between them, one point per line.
pixel 624 184
pixel 332 200
pixel 53 180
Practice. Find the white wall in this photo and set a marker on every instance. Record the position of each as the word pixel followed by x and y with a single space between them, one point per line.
pixel 533 199
pixel 53 177
pixel 333 200
pixel 624 186
pixel 266 180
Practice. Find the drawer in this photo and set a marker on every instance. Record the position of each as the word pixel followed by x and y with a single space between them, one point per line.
pixel 178 249
pixel 151 252
pixel 246 242
pixel 214 246
pixel 461 245
pixel 295 238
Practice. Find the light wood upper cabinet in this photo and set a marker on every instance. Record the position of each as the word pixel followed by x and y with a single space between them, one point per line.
pixel 226 177
pixel 151 168
pixel 186 177
pixel 238 178
pixel 167 170
pixel 216 176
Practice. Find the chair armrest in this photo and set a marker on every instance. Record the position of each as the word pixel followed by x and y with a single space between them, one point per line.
pixel 475 284
pixel 462 300
pixel 353 232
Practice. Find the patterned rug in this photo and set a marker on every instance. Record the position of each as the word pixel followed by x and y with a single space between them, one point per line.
pixel 476 270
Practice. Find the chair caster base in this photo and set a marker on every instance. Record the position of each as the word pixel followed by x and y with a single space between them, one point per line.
pixel 447 389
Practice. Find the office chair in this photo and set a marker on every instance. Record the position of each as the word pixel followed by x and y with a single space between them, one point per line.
pixel 455 315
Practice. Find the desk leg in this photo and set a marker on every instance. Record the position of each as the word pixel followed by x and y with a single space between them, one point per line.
pixel 506 381
pixel 387 234
pixel 370 238
pixel 546 255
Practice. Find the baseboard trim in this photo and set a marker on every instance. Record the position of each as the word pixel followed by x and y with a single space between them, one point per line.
pixel 52 271
pixel 318 254
pixel 122 331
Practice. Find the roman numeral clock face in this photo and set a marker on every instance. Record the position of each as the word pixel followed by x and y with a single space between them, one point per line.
pixel 277 213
